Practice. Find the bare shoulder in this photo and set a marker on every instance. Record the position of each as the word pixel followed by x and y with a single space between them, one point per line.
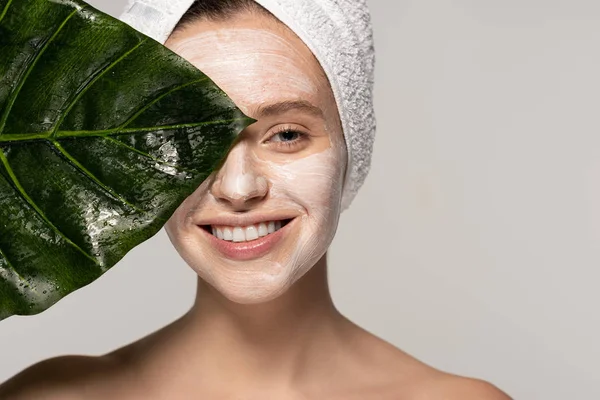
pixel 402 376
pixel 451 387
pixel 428 383
pixel 90 378
pixel 64 378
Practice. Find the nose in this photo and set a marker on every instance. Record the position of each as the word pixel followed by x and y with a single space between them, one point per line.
pixel 240 182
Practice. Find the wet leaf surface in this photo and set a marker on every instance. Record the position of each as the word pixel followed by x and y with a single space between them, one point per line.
pixel 103 133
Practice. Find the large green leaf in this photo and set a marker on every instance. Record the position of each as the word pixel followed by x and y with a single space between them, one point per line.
pixel 103 133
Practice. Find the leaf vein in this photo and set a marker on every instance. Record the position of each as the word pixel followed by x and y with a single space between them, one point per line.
pixel 81 91
pixel 10 266
pixel 73 161
pixel 32 204
pixel 23 137
pixel 5 9
pixel 23 79
pixel 143 153
pixel 159 98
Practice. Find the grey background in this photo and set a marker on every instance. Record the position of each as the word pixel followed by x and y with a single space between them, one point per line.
pixel 475 243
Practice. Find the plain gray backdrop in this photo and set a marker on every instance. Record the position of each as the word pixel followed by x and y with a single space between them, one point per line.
pixel 475 242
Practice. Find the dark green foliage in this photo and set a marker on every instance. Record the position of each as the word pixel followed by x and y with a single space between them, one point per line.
pixel 103 133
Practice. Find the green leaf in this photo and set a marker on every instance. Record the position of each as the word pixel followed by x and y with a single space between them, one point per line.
pixel 103 133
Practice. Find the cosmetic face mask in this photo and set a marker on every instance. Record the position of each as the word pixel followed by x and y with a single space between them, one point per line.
pixel 270 212
pixel 338 34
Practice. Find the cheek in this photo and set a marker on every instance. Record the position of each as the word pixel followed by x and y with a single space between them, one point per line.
pixel 315 182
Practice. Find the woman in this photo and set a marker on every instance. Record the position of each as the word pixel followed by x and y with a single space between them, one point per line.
pixel 257 231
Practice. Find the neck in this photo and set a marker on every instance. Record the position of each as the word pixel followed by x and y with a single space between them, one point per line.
pixel 272 341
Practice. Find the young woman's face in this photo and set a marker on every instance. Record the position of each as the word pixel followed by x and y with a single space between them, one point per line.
pixel 257 225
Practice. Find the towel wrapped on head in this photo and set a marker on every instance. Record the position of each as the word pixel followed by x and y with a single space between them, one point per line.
pixel 339 34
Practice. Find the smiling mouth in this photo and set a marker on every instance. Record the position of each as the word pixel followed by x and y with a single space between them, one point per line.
pixel 239 234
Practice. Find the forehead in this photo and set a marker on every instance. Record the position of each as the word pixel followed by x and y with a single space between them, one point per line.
pixel 254 60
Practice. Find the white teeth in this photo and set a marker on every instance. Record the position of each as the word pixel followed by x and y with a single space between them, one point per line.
pixel 246 233
pixel 238 234
pixel 251 233
pixel 262 229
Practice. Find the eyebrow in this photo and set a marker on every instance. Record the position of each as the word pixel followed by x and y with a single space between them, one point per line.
pixel 289 105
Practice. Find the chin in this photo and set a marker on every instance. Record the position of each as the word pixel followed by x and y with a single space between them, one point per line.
pixel 253 295
pixel 251 287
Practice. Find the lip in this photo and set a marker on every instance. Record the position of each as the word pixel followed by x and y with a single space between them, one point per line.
pixel 244 251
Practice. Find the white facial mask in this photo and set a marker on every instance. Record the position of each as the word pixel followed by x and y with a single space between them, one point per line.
pixel 310 187
pixel 245 71
pixel 256 67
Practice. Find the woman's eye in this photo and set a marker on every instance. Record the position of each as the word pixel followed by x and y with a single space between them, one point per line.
pixel 288 140
pixel 286 136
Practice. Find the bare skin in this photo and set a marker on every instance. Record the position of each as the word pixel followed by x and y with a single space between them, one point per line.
pixel 296 347
pixel 286 341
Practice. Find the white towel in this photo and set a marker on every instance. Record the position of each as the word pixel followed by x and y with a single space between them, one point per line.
pixel 339 34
